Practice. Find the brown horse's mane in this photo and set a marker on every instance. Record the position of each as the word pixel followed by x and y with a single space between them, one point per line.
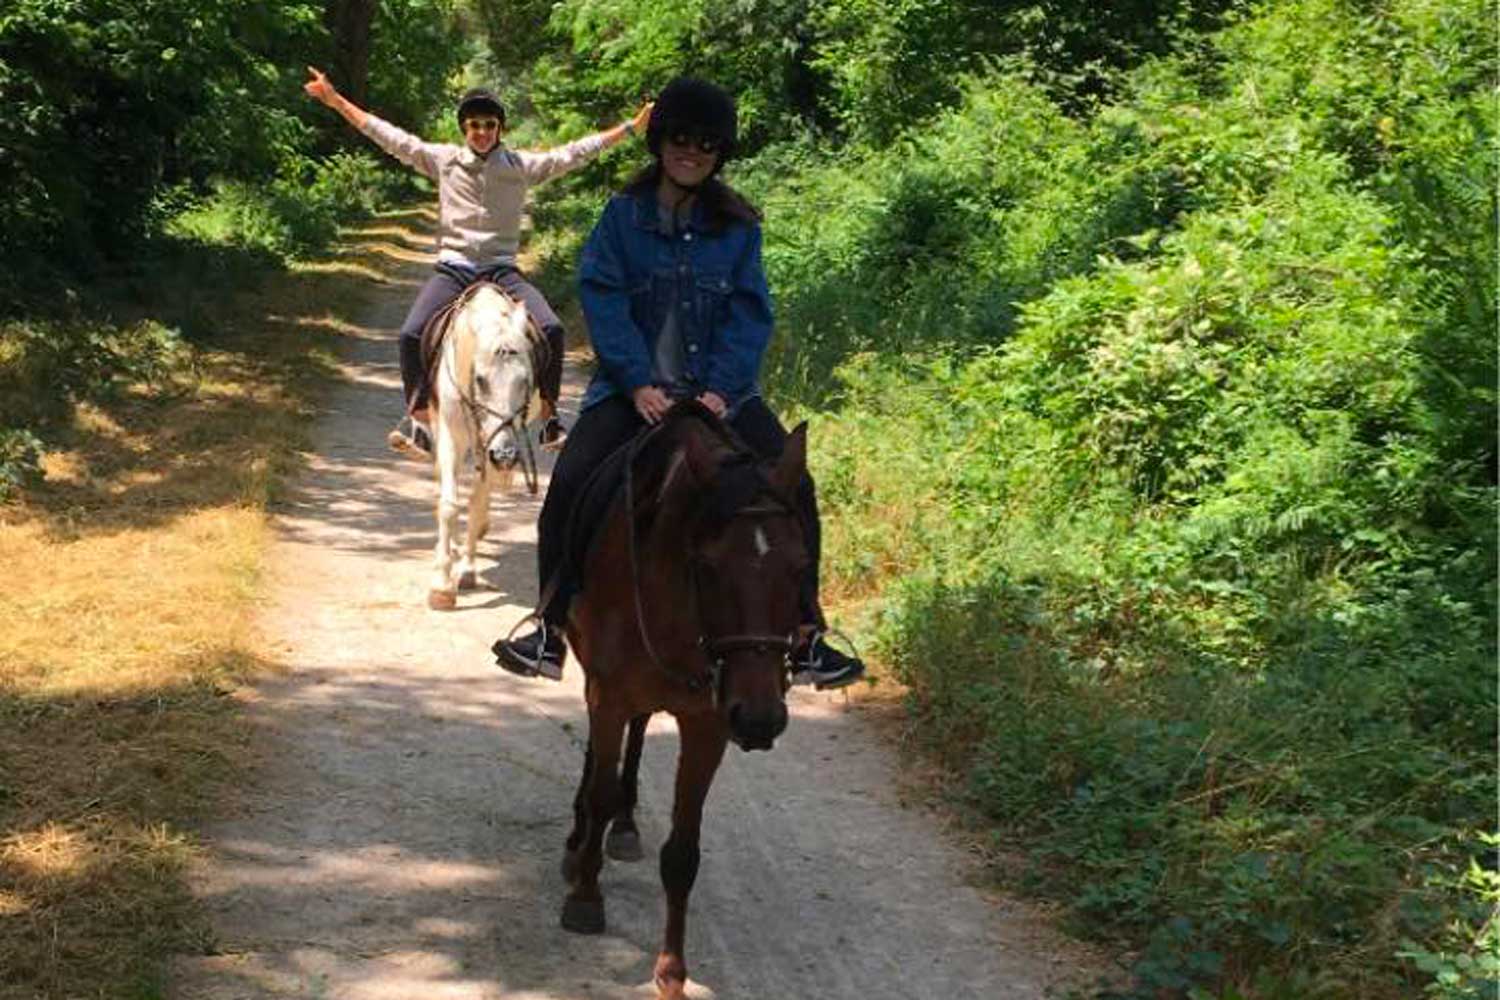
pixel 654 457
pixel 737 480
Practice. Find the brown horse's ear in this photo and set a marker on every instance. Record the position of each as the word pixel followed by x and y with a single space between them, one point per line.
pixel 792 465
pixel 699 458
pixel 690 467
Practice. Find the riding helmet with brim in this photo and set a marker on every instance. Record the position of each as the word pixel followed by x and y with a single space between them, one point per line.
pixel 480 101
pixel 689 106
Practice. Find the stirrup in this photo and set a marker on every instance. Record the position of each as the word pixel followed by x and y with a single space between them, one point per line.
pixel 553 434
pixel 415 442
pixel 506 659
pixel 807 673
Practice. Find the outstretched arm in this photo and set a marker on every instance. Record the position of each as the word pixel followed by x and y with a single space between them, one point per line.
pixel 319 89
pixel 549 163
pixel 404 146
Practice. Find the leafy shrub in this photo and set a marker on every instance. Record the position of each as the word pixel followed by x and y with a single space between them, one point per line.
pixel 20 459
pixel 1189 563
pixel 80 359
pixel 299 211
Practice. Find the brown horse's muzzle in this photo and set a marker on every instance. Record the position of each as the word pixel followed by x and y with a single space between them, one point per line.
pixel 756 728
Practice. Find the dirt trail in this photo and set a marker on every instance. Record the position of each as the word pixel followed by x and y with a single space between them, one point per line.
pixel 401 835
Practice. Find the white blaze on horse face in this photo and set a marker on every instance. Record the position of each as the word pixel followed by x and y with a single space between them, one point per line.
pixel 761 545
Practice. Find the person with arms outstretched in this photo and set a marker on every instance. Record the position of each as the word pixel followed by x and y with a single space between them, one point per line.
pixel 482 188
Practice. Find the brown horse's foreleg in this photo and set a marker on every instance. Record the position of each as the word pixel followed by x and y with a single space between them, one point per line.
pixel 703 739
pixel 624 840
pixel 580 816
pixel 583 909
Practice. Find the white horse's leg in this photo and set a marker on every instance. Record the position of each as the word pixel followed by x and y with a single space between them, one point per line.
pixel 477 524
pixel 442 592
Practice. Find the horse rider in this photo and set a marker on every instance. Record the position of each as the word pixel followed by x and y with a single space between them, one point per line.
pixel 481 197
pixel 677 305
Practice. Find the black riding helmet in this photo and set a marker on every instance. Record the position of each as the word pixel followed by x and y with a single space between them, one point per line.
pixel 479 101
pixel 697 108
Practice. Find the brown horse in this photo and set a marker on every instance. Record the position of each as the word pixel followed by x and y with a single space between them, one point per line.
pixel 689 605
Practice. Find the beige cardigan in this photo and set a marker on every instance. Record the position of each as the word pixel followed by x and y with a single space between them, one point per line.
pixel 480 200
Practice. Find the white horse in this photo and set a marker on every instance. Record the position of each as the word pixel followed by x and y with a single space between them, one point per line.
pixel 482 387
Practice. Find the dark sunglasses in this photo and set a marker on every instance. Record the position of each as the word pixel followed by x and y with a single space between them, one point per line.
pixel 704 143
pixel 481 124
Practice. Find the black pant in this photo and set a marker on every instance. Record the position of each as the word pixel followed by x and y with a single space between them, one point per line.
pixel 442 288
pixel 608 425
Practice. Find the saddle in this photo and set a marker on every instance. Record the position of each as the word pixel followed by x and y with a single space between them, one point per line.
pixel 436 331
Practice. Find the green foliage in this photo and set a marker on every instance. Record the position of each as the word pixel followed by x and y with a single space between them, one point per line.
pixel 296 213
pixel 111 102
pixel 77 360
pixel 415 49
pixel 20 459
pixel 47 366
pixel 1193 567
pixel 939 239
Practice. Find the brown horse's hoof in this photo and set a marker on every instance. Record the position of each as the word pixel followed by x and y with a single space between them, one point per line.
pixel 623 844
pixel 468 581
pixel 670 978
pixel 442 600
pixel 583 916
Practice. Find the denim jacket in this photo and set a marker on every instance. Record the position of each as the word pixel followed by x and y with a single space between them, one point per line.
pixel 631 273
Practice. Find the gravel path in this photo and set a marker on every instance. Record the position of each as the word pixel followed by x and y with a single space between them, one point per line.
pixel 401 832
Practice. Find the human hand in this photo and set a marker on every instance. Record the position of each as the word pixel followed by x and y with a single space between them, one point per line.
pixel 651 403
pixel 715 403
pixel 318 87
pixel 642 118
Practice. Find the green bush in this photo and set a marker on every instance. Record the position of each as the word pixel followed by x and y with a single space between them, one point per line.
pixel 77 359
pixel 299 211
pixel 1189 561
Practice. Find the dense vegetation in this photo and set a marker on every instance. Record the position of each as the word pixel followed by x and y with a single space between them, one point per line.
pixel 1153 361
pixel 144 143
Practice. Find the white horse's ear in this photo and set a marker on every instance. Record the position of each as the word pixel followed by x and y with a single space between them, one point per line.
pixel 792 465
pixel 518 319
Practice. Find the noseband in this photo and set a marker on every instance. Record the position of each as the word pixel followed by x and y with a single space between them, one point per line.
pixel 476 410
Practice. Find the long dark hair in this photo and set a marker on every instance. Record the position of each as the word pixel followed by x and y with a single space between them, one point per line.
pixel 723 206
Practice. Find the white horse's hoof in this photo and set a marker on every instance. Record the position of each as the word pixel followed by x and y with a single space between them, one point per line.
pixel 442 600
pixel 468 581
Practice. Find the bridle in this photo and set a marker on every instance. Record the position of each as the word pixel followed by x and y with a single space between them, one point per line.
pixel 475 409
pixel 716 649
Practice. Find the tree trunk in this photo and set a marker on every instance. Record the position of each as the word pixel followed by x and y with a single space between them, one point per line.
pixel 349 23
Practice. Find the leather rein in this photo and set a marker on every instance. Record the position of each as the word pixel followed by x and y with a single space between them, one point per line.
pixel 475 409
pixel 717 649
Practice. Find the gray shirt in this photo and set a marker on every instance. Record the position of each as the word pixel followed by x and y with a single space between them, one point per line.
pixel 480 199
pixel 669 362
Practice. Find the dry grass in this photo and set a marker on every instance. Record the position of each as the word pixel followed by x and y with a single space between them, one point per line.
pixel 128 597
